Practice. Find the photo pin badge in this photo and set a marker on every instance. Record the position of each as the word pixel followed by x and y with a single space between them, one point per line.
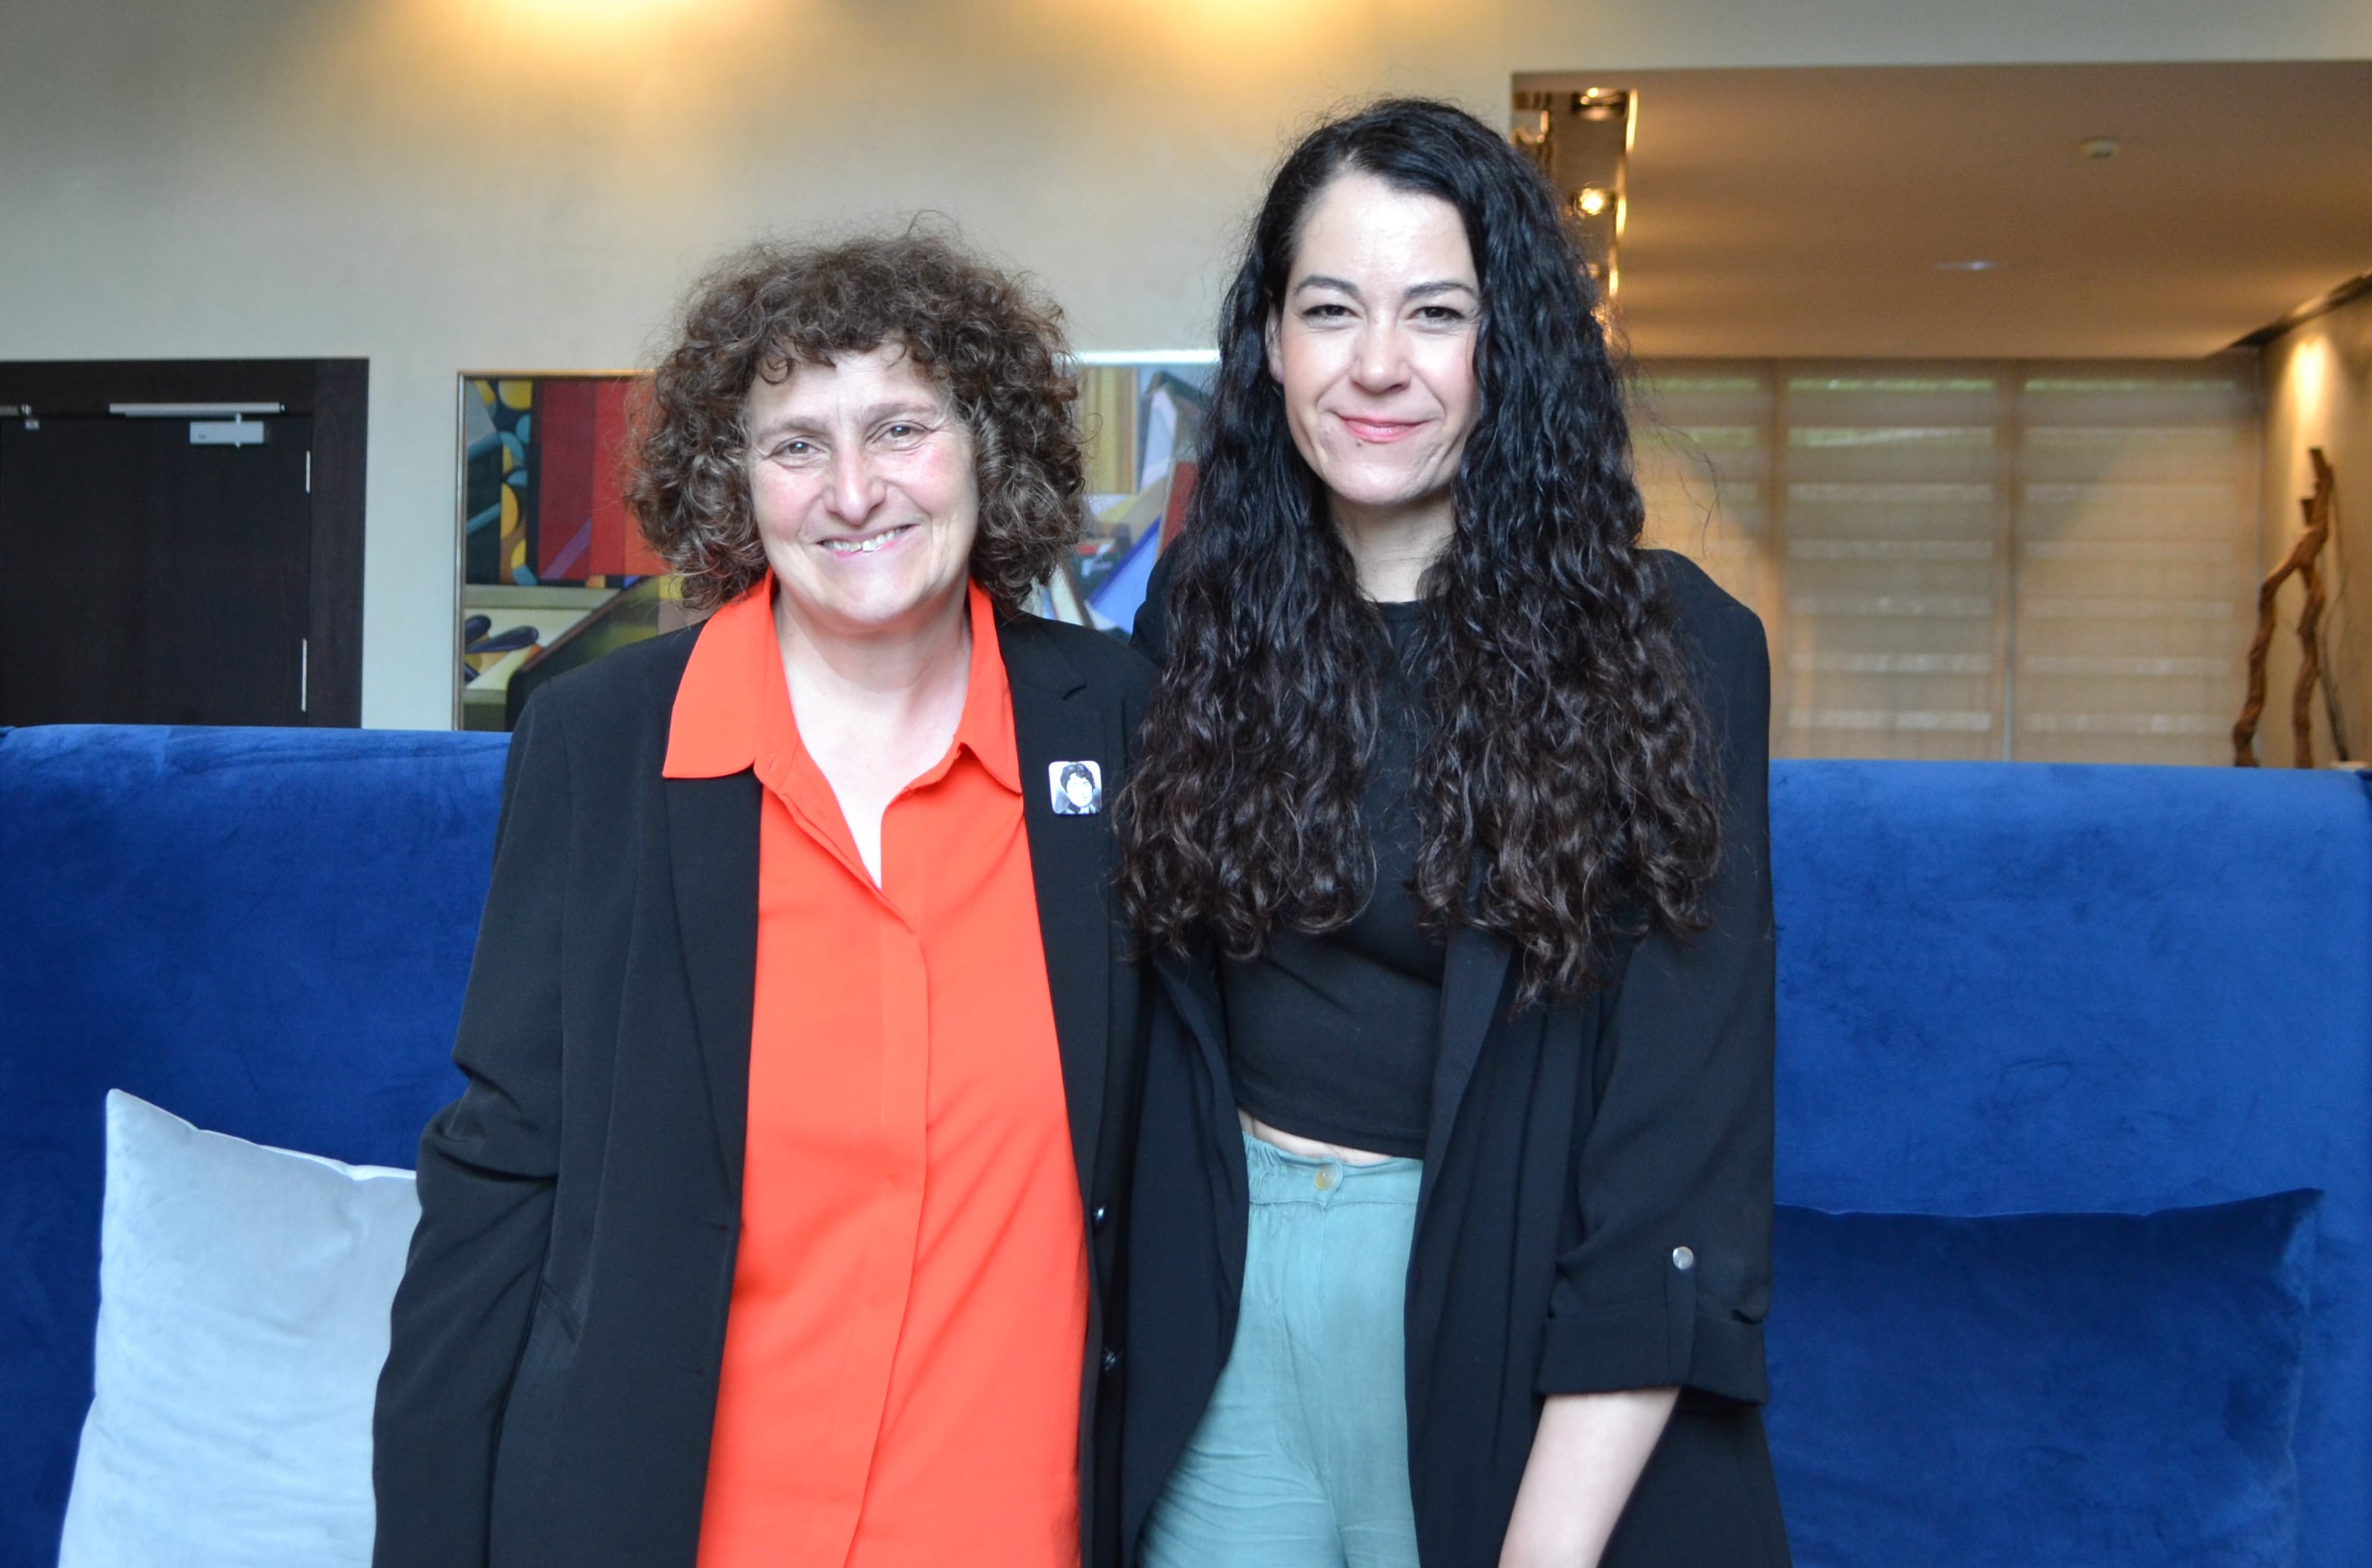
pixel 1077 788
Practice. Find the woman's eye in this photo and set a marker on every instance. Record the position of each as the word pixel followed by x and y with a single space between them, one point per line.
pixel 1329 312
pixel 1442 315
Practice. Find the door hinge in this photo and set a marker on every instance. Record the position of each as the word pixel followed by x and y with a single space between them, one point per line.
pixel 308 473
pixel 304 674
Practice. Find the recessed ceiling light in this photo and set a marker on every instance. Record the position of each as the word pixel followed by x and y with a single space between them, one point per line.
pixel 2099 149
pixel 1968 266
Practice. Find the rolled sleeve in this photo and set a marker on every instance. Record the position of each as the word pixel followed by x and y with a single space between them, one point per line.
pixel 1671 1279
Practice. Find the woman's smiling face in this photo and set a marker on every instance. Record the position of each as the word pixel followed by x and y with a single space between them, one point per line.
pixel 864 491
pixel 1374 344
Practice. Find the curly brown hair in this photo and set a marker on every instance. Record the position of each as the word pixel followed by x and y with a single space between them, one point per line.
pixel 987 342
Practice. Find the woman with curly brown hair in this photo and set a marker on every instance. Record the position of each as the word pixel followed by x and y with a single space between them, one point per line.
pixel 1453 1193
pixel 776 1222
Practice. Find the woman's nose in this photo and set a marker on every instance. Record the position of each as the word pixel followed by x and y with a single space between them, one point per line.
pixel 1380 362
pixel 856 490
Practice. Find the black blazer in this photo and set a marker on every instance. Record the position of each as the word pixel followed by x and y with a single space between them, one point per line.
pixel 551 1381
pixel 1575 1151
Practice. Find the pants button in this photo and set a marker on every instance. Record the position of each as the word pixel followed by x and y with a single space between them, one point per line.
pixel 1325 1179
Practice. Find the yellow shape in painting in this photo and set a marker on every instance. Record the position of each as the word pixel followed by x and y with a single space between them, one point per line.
pixel 520 395
pixel 518 554
pixel 486 391
pixel 511 510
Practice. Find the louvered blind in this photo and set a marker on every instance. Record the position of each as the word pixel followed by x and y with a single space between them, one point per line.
pixel 2051 562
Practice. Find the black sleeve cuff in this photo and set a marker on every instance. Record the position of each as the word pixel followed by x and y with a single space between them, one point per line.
pixel 1646 1342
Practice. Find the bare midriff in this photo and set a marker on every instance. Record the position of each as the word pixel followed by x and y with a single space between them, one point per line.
pixel 1308 1148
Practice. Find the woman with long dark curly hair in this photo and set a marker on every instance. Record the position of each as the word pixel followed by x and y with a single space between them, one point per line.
pixel 1453 1192
pixel 778 1220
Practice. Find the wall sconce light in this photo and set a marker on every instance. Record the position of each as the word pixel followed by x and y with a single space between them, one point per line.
pixel 1582 142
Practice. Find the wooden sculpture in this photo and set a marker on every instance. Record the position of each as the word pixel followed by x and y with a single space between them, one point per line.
pixel 2303 561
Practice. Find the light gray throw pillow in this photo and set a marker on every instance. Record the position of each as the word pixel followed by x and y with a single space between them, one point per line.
pixel 242 1321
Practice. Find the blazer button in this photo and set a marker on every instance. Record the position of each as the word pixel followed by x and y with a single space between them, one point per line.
pixel 1100 1216
pixel 1112 1362
pixel 1683 1260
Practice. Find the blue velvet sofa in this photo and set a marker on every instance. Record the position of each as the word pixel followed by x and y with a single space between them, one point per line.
pixel 2088 994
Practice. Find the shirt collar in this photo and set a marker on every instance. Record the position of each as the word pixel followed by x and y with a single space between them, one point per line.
pixel 713 728
pixel 986 728
pixel 735 669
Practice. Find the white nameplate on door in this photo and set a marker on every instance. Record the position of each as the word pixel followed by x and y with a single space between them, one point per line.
pixel 225 433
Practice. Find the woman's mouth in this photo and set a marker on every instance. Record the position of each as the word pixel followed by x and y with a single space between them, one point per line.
pixel 871 544
pixel 1379 430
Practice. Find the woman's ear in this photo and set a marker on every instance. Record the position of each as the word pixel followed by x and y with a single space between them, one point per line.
pixel 1268 342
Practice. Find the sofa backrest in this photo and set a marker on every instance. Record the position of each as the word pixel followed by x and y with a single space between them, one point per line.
pixel 2007 989
pixel 2001 989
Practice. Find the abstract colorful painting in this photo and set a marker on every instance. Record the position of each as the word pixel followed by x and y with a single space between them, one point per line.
pixel 544 464
pixel 553 566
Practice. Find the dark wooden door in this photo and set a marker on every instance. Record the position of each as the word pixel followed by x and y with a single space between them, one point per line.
pixel 148 580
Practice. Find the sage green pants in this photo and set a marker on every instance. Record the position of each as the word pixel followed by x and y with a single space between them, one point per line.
pixel 1301 1459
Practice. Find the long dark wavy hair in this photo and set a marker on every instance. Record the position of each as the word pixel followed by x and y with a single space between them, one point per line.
pixel 1562 773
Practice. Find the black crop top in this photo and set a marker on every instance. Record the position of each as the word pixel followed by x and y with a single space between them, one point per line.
pixel 1334 1036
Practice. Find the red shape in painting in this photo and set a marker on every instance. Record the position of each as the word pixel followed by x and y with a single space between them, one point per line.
pixel 617 547
pixel 1182 490
pixel 564 441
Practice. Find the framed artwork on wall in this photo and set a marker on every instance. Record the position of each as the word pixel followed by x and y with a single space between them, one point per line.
pixel 552 570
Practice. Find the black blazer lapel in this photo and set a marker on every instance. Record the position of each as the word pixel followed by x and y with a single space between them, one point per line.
pixel 1071 861
pixel 1194 997
pixel 1473 976
pixel 713 845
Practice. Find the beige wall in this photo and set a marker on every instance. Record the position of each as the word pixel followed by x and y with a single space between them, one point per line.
pixel 2319 393
pixel 1570 35
pixel 441 184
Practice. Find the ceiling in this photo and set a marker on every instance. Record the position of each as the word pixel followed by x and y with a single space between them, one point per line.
pixel 1815 211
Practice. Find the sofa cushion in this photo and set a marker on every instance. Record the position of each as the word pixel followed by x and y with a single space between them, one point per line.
pixel 2048 989
pixel 242 1319
pixel 2100 1389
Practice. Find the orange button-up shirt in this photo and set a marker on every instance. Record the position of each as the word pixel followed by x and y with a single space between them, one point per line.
pixel 901 1369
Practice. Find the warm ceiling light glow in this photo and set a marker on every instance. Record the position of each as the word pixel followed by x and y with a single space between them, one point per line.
pixel 1591 201
pixel 1213 46
pixel 2099 149
pixel 2309 371
pixel 579 25
pixel 1598 103
pixel 600 12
